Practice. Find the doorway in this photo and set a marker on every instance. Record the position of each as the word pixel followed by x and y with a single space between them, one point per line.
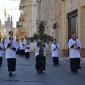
pixel 72 23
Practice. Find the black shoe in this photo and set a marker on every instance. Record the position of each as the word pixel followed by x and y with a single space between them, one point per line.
pixel 54 64
pixel 74 72
pixel 79 67
pixel 39 71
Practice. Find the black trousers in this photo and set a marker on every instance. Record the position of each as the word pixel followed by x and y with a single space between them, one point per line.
pixel 17 52
pixel 55 61
pixel 74 64
pixel 40 63
pixel 27 54
pixel 11 64
pixel 22 52
pixel 1 61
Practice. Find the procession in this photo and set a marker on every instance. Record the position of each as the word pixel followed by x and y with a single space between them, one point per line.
pixel 13 47
pixel 42 42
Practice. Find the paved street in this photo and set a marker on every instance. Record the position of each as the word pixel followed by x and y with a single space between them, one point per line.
pixel 26 74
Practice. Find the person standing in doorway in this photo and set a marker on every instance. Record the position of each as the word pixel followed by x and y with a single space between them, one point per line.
pixel 74 53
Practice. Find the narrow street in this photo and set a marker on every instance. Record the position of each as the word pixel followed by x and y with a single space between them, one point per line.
pixel 42 27
pixel 27 75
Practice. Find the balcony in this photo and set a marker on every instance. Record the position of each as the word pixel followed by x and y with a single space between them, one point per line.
pixel 19 24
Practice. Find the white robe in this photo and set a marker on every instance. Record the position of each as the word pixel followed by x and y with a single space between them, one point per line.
pixel 36 51
pixel 55 53
pixel 17 45
pixel 27 48
pixel 1 50
pixel 21 45
pixel 10 53
pixel 73 52
pixel 36 48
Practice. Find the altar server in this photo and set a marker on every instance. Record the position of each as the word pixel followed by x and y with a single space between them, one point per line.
pixel 17 50
pixel 22 47
pixel 55 52
pixel 11 46
pixel 74 53
pixel 27 49
pixel 40 52
pixel 1 52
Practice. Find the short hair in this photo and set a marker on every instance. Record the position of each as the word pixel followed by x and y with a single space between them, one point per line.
pixel 10 32
pixel 54 40
pixel 73 32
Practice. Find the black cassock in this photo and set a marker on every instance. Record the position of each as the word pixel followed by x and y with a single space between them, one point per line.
pixel 40 63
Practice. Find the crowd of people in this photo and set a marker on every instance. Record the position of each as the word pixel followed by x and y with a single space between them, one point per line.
pixel 14 47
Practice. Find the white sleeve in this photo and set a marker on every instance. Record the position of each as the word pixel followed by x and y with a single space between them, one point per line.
pixel 70 43
pixel 79 44
pixel 15 44
pixel 6 43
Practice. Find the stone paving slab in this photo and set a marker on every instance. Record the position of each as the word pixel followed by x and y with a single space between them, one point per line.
pixel 26 73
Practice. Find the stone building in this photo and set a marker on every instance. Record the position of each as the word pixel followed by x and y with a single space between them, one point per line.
pixel 68 16
pixel 28 17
